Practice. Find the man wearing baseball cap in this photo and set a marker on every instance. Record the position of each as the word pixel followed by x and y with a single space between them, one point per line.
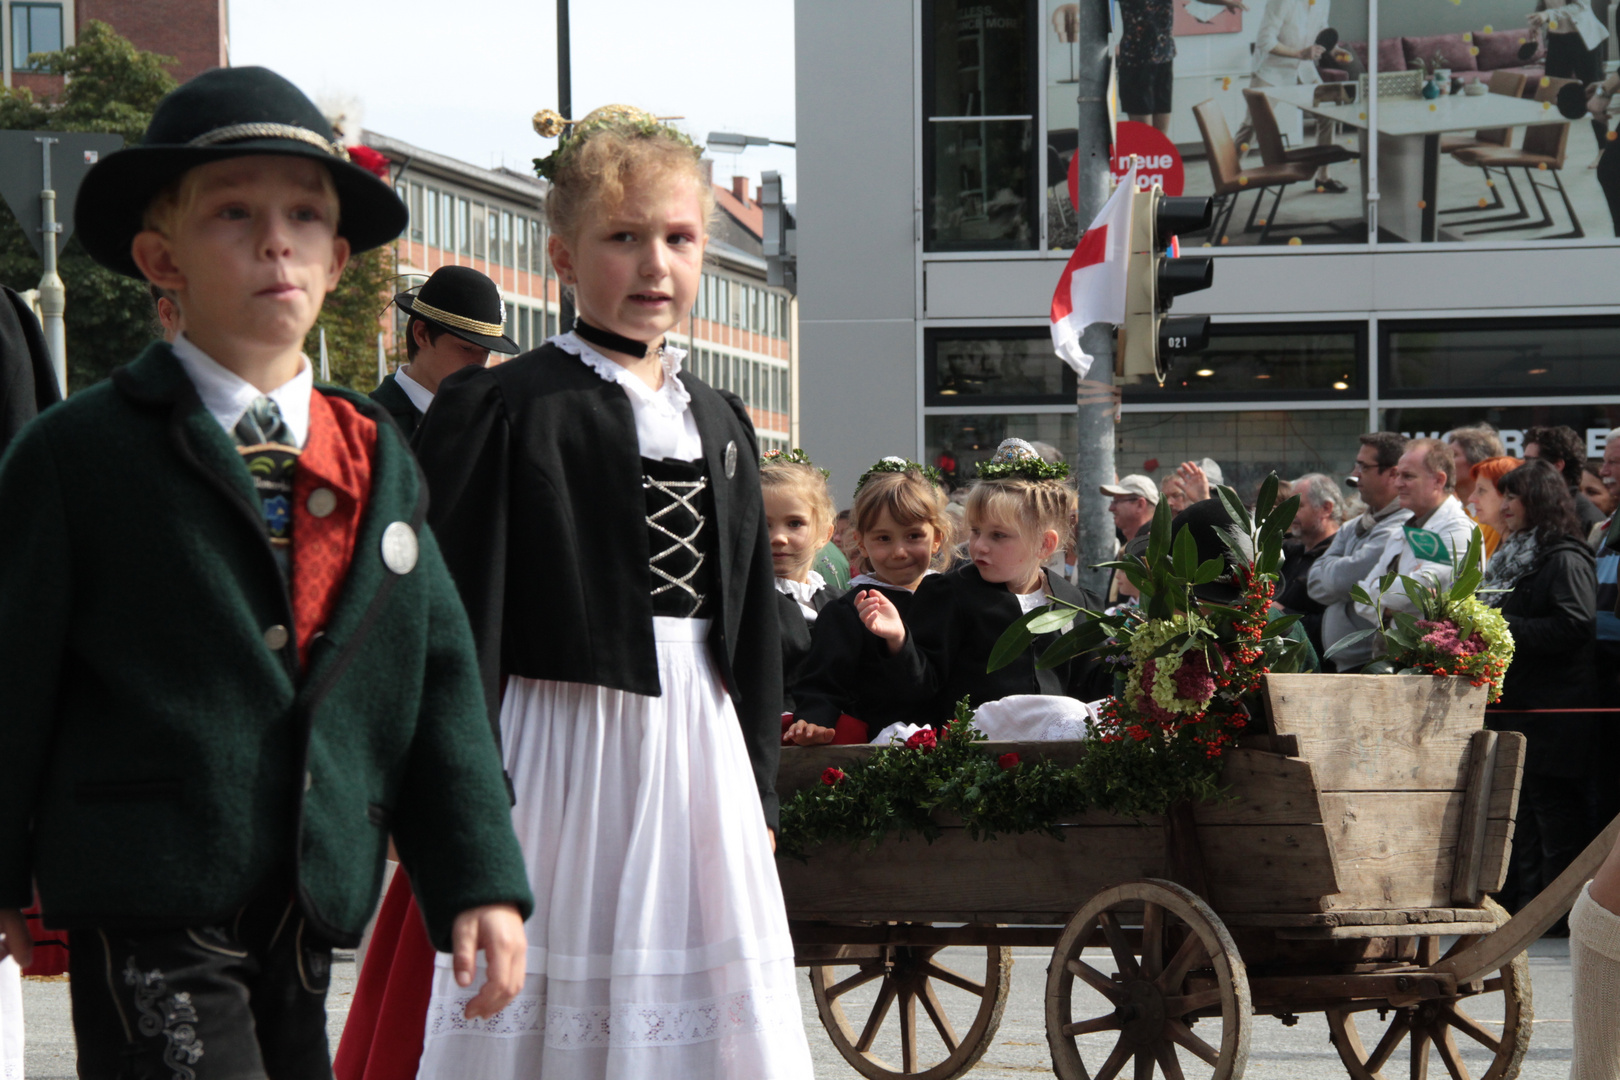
pixel 1135 498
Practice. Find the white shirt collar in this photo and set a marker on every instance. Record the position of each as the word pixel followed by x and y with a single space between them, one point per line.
pixel 801 591
pixel 420 396
pixel 226 395
pixel 872 579
pixel 671 398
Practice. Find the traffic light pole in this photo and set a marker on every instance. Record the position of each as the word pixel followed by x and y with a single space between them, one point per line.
pixel 1094 461
pixel 565 105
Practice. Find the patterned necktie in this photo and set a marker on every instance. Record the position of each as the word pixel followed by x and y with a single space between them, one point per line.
pixel 266 444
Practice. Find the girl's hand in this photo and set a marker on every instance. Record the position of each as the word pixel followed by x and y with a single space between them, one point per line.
pixel 882 618
pixel 804 733
pixel 1194 484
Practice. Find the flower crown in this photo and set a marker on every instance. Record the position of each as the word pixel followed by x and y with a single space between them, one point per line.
pixel 899 465
pixel 625 119
pixel 1016 459
pixel 794 456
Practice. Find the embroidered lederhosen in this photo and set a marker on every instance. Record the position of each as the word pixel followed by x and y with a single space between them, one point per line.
pixel 680 534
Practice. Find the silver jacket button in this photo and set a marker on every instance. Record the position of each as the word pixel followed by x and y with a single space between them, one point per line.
pixel 321 502
pixel 276 638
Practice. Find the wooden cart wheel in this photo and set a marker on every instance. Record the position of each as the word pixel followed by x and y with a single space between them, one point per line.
pixel 908 976
pixel 1179 968
pixel 1407 1038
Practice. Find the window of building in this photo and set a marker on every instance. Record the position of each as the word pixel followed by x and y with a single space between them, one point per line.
pixel 430 217
pixel 956 443
pixel 480 234
pixel 447 221
pixel 537 247
pixel 1244 361
pixel 1015 366
pixel 1487 357
pixel 520 241
pixel 980 169
pixel 416 212
pixel 506 239
pixel 1248 445
pixel 35 28
pixel 464 226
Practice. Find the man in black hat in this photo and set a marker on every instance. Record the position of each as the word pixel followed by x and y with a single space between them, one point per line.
pixel 457 320
pixel 233 661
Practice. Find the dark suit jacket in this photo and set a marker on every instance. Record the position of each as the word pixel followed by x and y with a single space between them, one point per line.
pixel 27 378
pixel 163 761
pixel 391 396
pixel 538 503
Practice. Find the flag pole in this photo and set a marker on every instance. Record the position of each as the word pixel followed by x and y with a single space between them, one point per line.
pixel 1094 457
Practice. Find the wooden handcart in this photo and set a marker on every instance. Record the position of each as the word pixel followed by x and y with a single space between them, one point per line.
pixel 1370 824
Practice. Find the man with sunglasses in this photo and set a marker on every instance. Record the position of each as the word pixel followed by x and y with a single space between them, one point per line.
pixel 1356 547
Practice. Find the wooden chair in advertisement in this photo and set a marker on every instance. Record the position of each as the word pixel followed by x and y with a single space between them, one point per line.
pixel 1231 179
pixel 1541 152
pixel 1508 84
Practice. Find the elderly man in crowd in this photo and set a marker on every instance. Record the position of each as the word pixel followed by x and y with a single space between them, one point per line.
pixel 1432 539
pixel 1356 548
pixel 1321 512
pixel 1132 502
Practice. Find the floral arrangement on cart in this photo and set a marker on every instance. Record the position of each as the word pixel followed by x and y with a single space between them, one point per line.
pixel 1187 665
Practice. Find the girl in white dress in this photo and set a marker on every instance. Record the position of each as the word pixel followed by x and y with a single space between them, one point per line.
pixel 600 510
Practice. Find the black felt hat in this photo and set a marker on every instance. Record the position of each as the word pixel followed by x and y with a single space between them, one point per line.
pixel 1205 519
pixel 220 114
pixel 466 303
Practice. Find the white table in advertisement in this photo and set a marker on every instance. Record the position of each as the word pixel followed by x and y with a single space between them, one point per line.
pixel 1409 131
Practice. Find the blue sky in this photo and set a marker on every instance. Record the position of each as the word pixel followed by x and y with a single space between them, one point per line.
pixel 463 77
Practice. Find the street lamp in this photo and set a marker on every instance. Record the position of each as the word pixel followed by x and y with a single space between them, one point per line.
pixel 736 144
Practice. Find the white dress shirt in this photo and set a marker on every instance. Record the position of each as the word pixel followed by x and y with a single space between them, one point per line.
pixel 421 397
pixel 226 395
pixel 665 427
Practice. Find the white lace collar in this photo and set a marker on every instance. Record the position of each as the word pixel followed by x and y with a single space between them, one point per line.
pixel 672 394
pixel 801 591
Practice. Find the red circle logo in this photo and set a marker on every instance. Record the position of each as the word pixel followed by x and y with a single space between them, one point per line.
pixel 1158 162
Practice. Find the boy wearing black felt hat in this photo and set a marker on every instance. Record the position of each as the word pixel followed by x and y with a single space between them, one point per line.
pixel 457 318
pixel 233 660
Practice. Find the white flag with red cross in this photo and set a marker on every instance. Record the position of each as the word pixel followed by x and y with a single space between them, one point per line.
pixel 1092 288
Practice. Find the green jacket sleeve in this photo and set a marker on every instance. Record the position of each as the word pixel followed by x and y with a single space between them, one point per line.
pixel 36 592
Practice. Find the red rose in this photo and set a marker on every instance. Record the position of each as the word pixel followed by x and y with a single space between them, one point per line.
pixel 925 740
pixel 370 160
pixel 1008 761
pixel 831 777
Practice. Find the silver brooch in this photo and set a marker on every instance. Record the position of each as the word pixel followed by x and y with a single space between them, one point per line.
pixel 731 459
pixel 399 548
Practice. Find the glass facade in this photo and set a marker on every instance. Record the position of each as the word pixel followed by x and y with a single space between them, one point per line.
pixel 1523 356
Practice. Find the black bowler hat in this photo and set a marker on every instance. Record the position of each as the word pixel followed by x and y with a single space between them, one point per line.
pixel 466 303
pixel 1205 518
pixel 220 114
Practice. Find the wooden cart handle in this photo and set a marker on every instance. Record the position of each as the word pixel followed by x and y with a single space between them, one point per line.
pixel 1514 936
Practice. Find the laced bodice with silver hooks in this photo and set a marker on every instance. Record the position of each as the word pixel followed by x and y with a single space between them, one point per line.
pixel 680 537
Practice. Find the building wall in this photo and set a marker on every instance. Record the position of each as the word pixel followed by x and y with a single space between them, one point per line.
pixel 194 32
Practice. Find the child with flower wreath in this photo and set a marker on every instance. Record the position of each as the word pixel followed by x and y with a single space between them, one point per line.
pixel 900 529
pixel 1017 514
pixel 799 518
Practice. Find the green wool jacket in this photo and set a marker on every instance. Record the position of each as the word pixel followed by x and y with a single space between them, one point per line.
pixel 164 757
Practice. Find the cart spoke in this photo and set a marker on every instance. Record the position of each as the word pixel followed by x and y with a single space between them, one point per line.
pixel 946 975
pixel 874 1021
pixel 1420 1054
pixel 1186 1003
pixel 1448 1054
pixel 1095 979
pixel 1116 1060
pixel 1471 1027
pixel 1190 955
pixel 908 1031
pixel 1398 1028
pixel 1152 939
pixel 1118 945
pixel 1184 1035
pixel 942 1023
pixel 1106 1022
pixel 1144 1064
pixel 860 978
pixel 1168 1062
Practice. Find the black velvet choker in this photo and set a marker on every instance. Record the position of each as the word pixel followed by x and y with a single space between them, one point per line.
pixel 607 339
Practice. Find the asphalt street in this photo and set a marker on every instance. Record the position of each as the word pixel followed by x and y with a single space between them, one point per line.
pixel 1301 1052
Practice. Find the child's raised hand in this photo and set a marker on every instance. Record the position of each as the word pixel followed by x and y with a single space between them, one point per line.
pixel 882 618
pixel 804 733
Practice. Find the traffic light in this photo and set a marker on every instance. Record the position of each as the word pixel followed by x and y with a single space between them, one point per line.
pixel 1155 276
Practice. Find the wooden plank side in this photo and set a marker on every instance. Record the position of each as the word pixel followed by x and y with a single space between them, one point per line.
pixel 1509 776
pixel 1470 857
pixel 1252 868
pixel 1379 732
pixel 1498 851
pixel 1394 849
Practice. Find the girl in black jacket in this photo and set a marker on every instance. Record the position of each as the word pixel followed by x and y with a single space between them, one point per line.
pixel 1544 580
pixel 799 520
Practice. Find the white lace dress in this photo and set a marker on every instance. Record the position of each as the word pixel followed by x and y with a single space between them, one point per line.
pixel 659 946
pixel 11 1021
